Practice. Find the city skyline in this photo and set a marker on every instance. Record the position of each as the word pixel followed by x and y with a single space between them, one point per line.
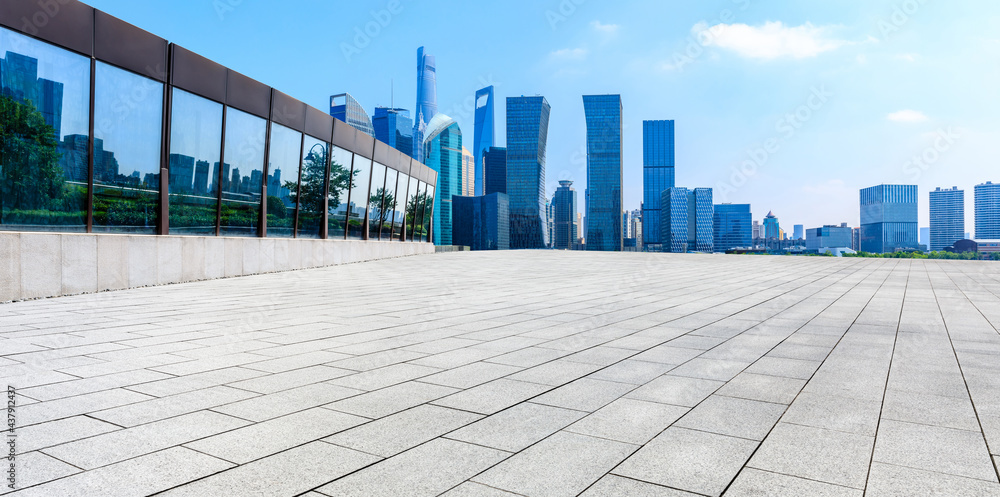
pixel 727 102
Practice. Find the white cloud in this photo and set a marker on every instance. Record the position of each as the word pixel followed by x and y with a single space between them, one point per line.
pixel 908 116
pixel 607 29
pixel 773 40
pixel 908 57
pixel 569 54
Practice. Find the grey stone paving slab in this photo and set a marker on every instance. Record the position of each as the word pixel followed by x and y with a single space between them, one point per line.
pixel 183 384
pixel 628 420
pixel 555 373
pixel 562 465
pixel 710 369
pixel 58 432
pixel 887 480
pixel 470 375
pixel 383 377
pixel 585 394
pixel 73 406
pixel 394 434
pixel 494 396
pixel 631 371
pixel 733 417
pixel 391 400
pixel 755 483
pixel 473 489
pixel 288 473
pixel 765 388
pixel 836 413
pixel 264 407
pixel 816 454
pixel 934 448
pixel 35 468
pixel 616 486
pixel 428 470
pixel 689 460
pixel 287 380
pixel 676 390
pixel 784 367
pixel 516 428
pixel 935 410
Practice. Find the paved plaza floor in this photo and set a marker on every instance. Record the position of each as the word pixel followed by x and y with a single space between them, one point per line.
pixel 540 374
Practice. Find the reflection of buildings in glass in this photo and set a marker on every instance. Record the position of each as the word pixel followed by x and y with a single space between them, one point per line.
pixel 73 160
pixel 19 77
pixel 215 177
pixel 181 173
pixel 276 189
pixel 201 177
pixel 356 213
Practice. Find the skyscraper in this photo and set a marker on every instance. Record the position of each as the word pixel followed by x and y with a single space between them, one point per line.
pixel 604 172
pixel 988 211
pixel 395 128
pixel 947 218
pixel 485 134
pixel 468 173
pixel 426 99
pixel 443 151
pixel 687 220
pixel 657 176
pixel 798 232
pixel 889 218
pixel 347 109
pixel 732 227
pixel 527 136
pixel 495 170
pixel 482 222
pixel 565 201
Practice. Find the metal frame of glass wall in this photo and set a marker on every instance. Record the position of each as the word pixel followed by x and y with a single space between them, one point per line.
pixel 123 132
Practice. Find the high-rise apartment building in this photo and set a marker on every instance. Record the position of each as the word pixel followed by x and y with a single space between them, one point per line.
pixel 564 201
pixel 657 175
pixel 889 218
pixel 495 170
pixel 427 106
pixel 468 173
pixel 443 153
pixel 527 137
pixel 687 220
pixel 485 134
pixel 947 209
pixel 988 211
pixel 347 109
pixel 732 227
pixel 604 172
pixel 395 128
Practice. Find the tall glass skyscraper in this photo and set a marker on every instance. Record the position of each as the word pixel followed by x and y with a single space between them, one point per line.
pixel 426 100
pixel 495 170
pixel 443 151
pixel 688 219
pixel 733 227
pixel 564 202
pixel 527 137
pixel 947 217
pixel 468 173
pixel 395 128
pixel 347 109
pixel 988 211
pixel 889 218
pixel 657 176
pixel 604 172
pixel 485 134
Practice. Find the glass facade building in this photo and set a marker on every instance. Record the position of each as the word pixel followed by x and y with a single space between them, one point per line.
pixel 988 211
pixel 468 173
pixel 889 218
pixel 947 209
pixel 394 127
pixel 427 106
pixel 485 134
pixel 829 236
pixel 657 176
pixel 120 131
pixel 443 150
pixel 495 170
pixel 604 172
pixel 349 110
pixel 688 220
pixel 732 227
pixel 482 223
pixel 527 137
pixel 565 205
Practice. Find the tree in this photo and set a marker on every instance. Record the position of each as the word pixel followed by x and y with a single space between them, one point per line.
pixel 382 204
pixel 414 206
pixel 313 181
pixel 30 175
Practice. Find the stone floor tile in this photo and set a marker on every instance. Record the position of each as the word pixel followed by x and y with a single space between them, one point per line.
pixel 836 413
pixel 676 390
pixel 755 483
pixel 936 410
pixel 585 394
pixel 733 417
pixel 394 434
pixel 627 420
pixel 616 486
pixel 776 389
pixel 493 397
pixel 65 430
pixel 470 375
pixel 473 489
pixel 710 369
pixel 785 367
pixel 266 407
pixel 516 428
pixel 381 403
pixel 934 448
pixel 375 379
pixel 887 480
pixel 816 454
pixel 555 373
pixel 34 468
pixel 632 371
pixel 271 383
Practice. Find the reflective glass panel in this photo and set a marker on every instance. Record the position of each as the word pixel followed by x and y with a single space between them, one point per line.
pixel 282 180
pixel 357 223
pixel 388 203
pixel 340 181
pixel 312 188
pixel 418 212
pixel 412 201
pixel 398 208
pixel 195 146
pixel 429 214
pixel 44 135
pixel 375 211
pixel 242 173
pixel 128 119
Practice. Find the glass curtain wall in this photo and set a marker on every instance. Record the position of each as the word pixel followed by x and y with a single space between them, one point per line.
pixel 195 149
pixel 282 180
pixel 357 221
pixel 377 191
pixel 309 193
pixel 340 182
pixel 429 214
pixel 388 204
pixel 399 206
pixel 128 123
pixel 242 174
pixel 419 207
pixel 44 135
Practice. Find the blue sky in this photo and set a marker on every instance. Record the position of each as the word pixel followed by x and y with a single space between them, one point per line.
pixel 790 105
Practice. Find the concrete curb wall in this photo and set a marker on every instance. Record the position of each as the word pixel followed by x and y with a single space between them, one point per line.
pixel 39 265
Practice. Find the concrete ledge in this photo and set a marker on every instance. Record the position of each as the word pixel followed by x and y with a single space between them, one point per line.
pixel 40 265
